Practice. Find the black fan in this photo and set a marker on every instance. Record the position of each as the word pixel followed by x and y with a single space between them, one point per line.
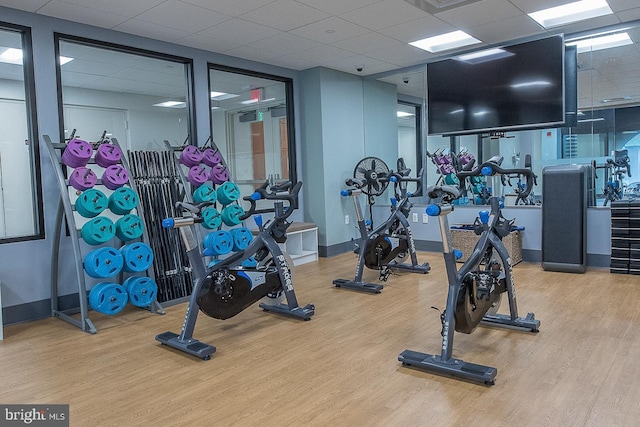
pixel 370 170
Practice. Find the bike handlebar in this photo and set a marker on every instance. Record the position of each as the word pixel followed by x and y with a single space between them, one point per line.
pixel 492 167
pixel 275 192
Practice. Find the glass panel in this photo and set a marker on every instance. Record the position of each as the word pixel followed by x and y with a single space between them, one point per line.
pixel 137 99
pixel 250 126
pixel 18 206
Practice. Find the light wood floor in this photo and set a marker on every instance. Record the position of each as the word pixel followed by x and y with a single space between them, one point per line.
pixel 341 368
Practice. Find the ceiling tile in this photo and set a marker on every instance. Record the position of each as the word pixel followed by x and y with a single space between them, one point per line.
pixel 601 21
pixel 206 43
pixel 28 5
pixel 321 54
pixel 150 30
pixel 619 5
pixel 119 7
pixel 251 53
pixel 384 14
pixel 479 13
pixel 418 29
pixel 230 7
pixel 402 55
pixel 286 43
pixel 629 15
pixel 366 43
pixel 239 31
pixel 506 30
pixel 369 65
pixel 336 7
pixel 329 30
pixel 82 14
pixel 182 16
pixel 528 6
pixel 292 63
pixel 284 15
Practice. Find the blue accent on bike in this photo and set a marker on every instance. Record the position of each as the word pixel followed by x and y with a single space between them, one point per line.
pixel 256 196
pixel 168 223
pixel 484 216
pixel 433 210
pixel 457 253
pixel 258 220
pixel 393 179
pixel 486 171
pixel 367 222
pixel 344 193
pixel 394 202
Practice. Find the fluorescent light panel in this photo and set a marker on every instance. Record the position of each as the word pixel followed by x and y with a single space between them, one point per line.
pixel 599 43
pixel 12 55
pixel 404 114
pixel 571 12
pixel 171 104
pixel 446 41
pixel 221 96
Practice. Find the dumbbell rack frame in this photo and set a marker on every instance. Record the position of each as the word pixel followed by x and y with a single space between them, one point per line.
pixel 65 216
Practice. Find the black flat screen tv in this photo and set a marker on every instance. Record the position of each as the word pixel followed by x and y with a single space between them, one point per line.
pixel 515 87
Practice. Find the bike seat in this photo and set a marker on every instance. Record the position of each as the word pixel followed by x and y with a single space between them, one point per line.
pixel 446 191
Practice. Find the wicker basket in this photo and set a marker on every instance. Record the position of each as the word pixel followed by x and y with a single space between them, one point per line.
pixel 465 241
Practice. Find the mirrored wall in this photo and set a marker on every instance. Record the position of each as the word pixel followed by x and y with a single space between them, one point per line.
pixel 251 125
pixel 138 97
pixel 608 119
pixel 20 200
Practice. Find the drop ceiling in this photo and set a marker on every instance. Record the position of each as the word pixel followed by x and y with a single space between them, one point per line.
pixel 346 34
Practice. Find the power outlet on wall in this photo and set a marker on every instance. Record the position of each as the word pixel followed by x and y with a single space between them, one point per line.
pixel 415 217
pixel 346 219
pixel 425 218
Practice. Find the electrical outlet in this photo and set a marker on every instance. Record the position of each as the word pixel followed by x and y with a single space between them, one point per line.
pixel 415 217
pixel 346 219
pixel 425 218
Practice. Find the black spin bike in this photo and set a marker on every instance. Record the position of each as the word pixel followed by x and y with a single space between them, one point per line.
pixel 229 286
pixel 385 247
pixel 475 289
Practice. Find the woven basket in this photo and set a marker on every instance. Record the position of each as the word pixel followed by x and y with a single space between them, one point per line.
pixel 465 241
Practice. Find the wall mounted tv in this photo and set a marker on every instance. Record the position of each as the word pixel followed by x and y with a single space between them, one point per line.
pixel 515 87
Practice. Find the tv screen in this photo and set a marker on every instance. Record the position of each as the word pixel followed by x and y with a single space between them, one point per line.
pixel 514 87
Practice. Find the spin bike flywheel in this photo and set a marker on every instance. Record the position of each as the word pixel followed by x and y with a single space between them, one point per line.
pixel 383 249
pixel 479 294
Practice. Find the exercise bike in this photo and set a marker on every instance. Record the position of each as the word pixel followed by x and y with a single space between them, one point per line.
pixel 233 284
pixel 475 289
pixel 615 170
pixel 385 247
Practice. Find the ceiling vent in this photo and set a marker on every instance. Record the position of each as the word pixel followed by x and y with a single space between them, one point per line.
pixel 434 6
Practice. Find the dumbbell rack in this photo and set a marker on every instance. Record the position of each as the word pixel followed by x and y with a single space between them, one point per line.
pixel 65 216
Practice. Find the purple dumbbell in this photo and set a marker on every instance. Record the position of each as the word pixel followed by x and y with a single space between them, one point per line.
pixel 114 177
pixel 108 154
pixel 191 156
pixel 82 178
pixel 197 176
pixel 77 153
pixel 211 157
pixel 219 174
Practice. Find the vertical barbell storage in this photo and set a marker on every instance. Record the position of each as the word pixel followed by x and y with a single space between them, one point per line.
pixel 94 220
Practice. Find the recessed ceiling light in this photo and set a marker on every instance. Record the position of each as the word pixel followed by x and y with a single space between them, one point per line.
pixel 171 104
pixel 221 96
pixel 571 12
pixel 404 114
pixel 599 43
pixel 446 41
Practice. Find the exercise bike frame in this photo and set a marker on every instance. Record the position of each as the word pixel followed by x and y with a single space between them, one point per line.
pixel 264 240
pixel 444 363
pixel 367 236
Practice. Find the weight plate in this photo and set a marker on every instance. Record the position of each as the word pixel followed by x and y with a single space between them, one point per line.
pixel 114 177
pixel 211 218
pixel 98 231
pixel 228 193
pixel 205 193
pixel 197 176
pixel 231 215
pixel 219 174
pixel 242 237
pixel 191 156
pixel 108 298
pixel 104 262
pixel 129 227
pixel 107 155
pixel 77 153
pixel 91 203
pixel 211 157
pixel 123 200
pixel 219 242
pixel 142 290
pixel 82 178
pixel 138 257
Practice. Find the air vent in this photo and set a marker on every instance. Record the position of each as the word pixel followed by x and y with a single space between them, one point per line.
pixel 435 6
